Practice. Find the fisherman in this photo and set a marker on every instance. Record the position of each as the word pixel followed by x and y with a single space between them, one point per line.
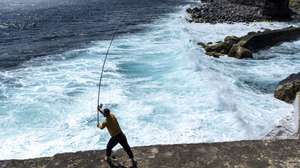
pixel 117 136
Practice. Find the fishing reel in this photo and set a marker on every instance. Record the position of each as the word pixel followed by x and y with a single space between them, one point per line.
pixel 99 107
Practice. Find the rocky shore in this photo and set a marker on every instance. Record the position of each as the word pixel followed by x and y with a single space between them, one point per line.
pixel 223 11
pixel 243 154
pixel 230 11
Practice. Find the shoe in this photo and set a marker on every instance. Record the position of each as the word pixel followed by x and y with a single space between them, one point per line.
pixel 133 163
pixel 107 159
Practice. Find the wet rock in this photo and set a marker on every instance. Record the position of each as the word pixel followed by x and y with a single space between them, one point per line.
pixel 240 52
pixel 214 54
pixel 222 48
pixel 265 39
pixel 244 47
pixel 231 47
pixel 288 88
pixel 232 39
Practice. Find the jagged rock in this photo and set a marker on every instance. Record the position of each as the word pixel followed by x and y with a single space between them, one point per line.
pixel 277 9
pixel 229 47
pixel 240 52
pixel 267 38
pixel 288 88
pixel 214 54
pixel 244 46
pixel 219 47
pixel 232 39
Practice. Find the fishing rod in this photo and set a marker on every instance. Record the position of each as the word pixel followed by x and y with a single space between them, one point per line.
pixel 99 106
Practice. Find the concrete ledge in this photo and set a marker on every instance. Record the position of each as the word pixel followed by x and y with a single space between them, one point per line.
pixel 242 154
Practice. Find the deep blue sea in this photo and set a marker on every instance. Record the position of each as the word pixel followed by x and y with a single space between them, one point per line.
pixel 158 82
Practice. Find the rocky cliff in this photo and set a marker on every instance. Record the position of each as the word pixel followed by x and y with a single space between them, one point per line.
pixel 288 88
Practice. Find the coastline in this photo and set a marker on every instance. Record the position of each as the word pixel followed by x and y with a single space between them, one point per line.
pixel 246 153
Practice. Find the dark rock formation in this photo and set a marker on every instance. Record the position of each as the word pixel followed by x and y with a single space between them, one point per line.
pixel 274 9
pixel 240 52
pixel 229 11
pixel 222 11
pixel 277 9
pixel 243 47
pixel 288 88
pixel 229 47
pixel 270 38
pixel 260 154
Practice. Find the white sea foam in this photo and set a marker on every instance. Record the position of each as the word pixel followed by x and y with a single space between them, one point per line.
pixel 159 83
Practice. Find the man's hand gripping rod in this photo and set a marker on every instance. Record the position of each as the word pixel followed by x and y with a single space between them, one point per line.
pixel 99 108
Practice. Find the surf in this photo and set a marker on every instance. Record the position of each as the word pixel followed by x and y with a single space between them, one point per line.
pixel 158 82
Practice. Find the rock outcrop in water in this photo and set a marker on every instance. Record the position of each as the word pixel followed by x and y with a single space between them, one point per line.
pixel 229 11
pixel 229 47
pixel 243 47
pixel 288 88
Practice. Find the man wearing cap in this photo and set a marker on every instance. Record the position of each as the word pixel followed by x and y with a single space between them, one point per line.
pixel 117 136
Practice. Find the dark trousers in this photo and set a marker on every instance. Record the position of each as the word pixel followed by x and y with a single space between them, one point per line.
pixel 120 138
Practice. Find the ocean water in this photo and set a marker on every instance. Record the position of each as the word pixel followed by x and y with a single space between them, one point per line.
pixel 158 82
